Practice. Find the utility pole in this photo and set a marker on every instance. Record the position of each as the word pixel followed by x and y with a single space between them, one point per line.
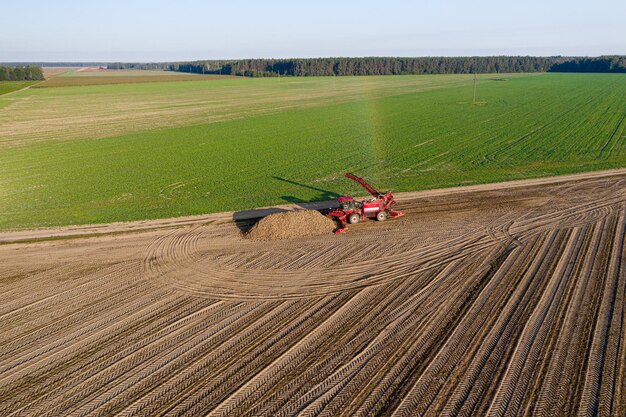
pixel 474 100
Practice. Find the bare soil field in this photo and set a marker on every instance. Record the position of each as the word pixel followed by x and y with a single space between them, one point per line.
pixel 502 299
pixel 49 72
pixel 96 76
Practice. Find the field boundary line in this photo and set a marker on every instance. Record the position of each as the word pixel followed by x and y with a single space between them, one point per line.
pixel 91 230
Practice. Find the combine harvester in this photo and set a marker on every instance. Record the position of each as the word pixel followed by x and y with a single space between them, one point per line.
pixel 351 211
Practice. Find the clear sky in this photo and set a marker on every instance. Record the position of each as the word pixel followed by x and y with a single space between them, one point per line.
pixel 141 30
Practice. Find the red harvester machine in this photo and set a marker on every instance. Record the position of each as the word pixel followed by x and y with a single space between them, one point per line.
pixel 351 211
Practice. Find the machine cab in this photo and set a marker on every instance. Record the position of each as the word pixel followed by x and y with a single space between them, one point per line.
pixel 346 203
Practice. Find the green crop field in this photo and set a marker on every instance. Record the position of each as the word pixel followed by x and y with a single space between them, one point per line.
pixel 74 155
pixel 10 86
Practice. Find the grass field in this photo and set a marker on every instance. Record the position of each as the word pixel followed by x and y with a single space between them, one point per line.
pixel 76 155
pixel 10 86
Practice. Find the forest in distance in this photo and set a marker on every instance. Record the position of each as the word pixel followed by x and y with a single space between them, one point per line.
pixel 388 65
pixel 21 73
pixel 345 66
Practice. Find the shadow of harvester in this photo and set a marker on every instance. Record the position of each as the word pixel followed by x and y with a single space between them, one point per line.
pixel 245 219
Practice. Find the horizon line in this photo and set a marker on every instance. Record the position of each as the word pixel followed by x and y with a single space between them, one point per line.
pixel 293 58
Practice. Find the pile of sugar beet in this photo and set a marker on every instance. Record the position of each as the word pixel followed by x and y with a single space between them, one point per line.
pixel 291 224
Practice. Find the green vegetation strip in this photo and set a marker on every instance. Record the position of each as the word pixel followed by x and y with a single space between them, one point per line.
pixel 10 86
pixel 521 128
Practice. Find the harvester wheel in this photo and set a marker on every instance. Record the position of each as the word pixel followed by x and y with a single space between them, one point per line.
pixel 381 216
pixel 354 218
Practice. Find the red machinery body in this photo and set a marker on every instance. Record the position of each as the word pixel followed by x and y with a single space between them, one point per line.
pixel 351 211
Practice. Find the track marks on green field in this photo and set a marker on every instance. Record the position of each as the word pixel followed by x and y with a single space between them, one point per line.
pixel 402 133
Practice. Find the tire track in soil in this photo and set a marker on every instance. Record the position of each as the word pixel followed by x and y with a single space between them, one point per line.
pixel 597 392
pixel 558 387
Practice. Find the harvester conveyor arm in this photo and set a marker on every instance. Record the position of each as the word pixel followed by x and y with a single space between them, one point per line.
pixel 364 184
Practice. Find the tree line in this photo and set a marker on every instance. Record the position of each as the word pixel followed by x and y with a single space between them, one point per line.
pixel 387 65
pixel 601 64
pixel 27 73
pixel 55 64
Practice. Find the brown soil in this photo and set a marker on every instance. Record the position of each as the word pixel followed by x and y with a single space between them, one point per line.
pixel 291 224
pixel 501 299
pixel 117 79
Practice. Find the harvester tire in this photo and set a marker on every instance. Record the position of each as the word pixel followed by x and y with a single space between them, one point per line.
pixel 381 216
pixel 354 218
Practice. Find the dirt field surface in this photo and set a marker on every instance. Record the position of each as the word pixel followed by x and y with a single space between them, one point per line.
pixel 504 299
pixel 49 72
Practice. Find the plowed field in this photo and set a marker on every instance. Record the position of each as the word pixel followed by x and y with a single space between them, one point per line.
pixel 505 299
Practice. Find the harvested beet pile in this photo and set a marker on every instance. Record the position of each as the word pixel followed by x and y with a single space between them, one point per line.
pixel 291 224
